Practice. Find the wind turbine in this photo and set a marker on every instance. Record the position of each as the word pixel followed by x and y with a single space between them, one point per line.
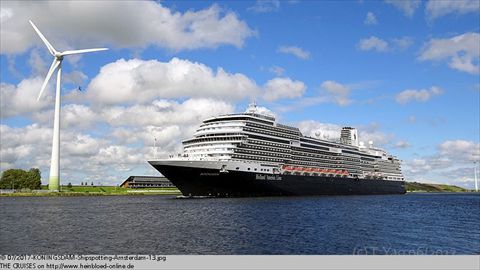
pixel 54 180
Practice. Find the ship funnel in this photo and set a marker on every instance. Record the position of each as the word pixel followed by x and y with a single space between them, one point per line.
pixel 349 136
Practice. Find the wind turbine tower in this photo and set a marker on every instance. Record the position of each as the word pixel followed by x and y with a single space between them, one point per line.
pixel 54 180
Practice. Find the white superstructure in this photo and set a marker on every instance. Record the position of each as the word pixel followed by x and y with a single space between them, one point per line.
pixel 255 141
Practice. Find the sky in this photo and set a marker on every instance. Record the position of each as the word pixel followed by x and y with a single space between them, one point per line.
pixel 404 73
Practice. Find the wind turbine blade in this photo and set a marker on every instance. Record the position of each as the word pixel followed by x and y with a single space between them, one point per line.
pixel 54 66
pixel 83 51
pixel 49 46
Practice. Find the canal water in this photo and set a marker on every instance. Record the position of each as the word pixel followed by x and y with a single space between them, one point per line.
pixel 418 223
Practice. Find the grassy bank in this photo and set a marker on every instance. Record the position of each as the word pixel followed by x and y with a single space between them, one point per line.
pixel 94 191
pixel 113 190
pixel 421 187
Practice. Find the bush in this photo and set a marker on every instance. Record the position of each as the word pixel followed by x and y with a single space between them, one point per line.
pixel 20 179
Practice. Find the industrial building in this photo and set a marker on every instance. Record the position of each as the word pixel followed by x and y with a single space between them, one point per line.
pixel 146 182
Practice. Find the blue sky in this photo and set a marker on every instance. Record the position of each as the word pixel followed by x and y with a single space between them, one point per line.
pixel 405 73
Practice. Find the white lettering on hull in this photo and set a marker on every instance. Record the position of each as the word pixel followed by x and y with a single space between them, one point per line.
pixel 267 177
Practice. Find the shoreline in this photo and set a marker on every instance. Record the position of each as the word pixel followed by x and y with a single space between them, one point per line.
pixel 79 194
pixel 156 192
pixel 73 193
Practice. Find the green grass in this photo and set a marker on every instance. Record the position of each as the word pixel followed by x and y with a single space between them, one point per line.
pixel 108 189
pixel 421 187
pixel 99 190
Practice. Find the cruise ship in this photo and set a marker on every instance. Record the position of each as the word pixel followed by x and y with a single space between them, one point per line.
pixel 251 154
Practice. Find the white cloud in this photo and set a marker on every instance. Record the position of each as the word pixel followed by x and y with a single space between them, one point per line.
pixel 141 81
pixel 82 145
pixel 331 132
pixel 73 117
pixel 338 92
pixel 417 95
pixel 372 132
pixel 37 64
pixel 121 148
pixel 75 77
pixel 462 52
pixel 420 166
pixel 279 71
pixel 451 163
pixel 402 43
pixel 264 110
pixel 30 146
pixel 463 176
pixel 112 152
pixel 164 112
pixel 319 130
pixel 295 51
pixel 132 25
pixel 144 84
pixel 460 150
pixel 31 134
pixel 408 7
pixel 265 6
pixel 436 9
pixel 22 98
pixel 283 88
pixel 402 144
pixel 370 18
pixel 373 43
pixel 377 44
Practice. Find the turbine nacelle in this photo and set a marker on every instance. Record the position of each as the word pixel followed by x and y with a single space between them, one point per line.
pixel 58 56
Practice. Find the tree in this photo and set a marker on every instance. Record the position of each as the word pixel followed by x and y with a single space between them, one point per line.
pixel 34 179
pixel 10 179
pixel 69 185
pixel 19 179
pixel 92 183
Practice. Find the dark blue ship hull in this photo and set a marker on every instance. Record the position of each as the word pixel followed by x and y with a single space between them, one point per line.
pixel 210 182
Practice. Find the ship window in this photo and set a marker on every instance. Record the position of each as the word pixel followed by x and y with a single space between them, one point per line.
pixel 255 169
pixel 238 168
pixel 249 169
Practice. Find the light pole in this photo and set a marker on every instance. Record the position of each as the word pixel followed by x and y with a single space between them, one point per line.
pixel 154 147
pixel 475 172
